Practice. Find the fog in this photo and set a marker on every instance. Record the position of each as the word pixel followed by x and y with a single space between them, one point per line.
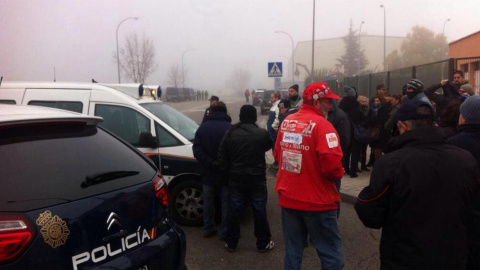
pixel 78 37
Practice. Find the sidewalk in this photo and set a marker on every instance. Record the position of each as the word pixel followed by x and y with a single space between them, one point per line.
pixel 350 187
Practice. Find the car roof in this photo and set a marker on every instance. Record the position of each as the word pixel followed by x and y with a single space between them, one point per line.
pixel 18 114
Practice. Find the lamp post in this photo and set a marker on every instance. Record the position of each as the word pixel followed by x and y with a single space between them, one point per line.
pixel 359 48
pixel 384 36
pixel 183 71
pixel 118 58
pixel 313 44
pixel 443 34
pixel 293 51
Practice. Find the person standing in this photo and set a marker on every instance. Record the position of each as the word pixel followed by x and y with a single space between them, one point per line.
pixel 159 92
pixel 468 138
pixel 295 99
pixel 205 149
pixel 350 105
pixel 213 101
pixel 309 156
pixel 421 194
pixel 247 95
pixel 272 122
pixel 242 157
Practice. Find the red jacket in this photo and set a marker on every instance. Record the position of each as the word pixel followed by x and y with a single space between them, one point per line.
pixel 309 154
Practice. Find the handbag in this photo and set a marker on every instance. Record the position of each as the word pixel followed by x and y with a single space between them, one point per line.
pixel 373 133
pixel 360 134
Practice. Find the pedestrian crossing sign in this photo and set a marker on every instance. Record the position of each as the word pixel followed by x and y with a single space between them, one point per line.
pixel 275 69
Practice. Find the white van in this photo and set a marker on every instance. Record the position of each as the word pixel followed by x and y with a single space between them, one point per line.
pixel 155 128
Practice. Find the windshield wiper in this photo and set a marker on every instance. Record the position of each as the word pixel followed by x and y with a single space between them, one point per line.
pixel 105 177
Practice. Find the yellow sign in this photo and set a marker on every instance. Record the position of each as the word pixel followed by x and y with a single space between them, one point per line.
pixel 54 229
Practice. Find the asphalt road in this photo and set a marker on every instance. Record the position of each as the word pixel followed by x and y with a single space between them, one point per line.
pixel 360 244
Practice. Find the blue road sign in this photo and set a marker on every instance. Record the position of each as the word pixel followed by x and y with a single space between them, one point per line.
pixel 275 69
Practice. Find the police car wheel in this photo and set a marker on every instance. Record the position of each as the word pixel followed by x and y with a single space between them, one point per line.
pixel 186 203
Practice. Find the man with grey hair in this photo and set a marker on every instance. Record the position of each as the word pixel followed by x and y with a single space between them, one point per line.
pixel 421 194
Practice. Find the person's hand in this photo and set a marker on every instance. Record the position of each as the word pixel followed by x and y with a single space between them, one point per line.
pixel 443 82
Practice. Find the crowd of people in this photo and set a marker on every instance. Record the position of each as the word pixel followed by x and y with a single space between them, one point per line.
pixel 423 191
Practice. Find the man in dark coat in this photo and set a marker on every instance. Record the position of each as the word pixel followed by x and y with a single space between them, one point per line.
pixel 205 148
pixel 242 157
pixel 421 194
pixel 450 91
pixel 468 138
pixel 352 108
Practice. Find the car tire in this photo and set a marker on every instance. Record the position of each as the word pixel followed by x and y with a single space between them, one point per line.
pixel 186 203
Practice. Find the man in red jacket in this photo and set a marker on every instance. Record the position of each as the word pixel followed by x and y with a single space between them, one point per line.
pixel 309 155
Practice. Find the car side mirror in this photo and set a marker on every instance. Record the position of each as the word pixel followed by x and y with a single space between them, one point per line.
pixel 147 140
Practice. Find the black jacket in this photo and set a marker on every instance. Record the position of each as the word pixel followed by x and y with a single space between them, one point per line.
pixel 468 138
pixel 378 120
pixel 206 143
pixel 354 112
pixel 421 194
pixel 340 122
pixel 242 151
pixel 450 92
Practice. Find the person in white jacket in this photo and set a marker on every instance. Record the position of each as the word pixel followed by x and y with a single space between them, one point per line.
pixel 272 122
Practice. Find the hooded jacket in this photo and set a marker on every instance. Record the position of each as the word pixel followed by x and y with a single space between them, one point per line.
pixel 420 194
pixel 206 143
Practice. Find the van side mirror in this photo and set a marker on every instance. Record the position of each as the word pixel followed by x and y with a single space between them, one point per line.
pixel 147 140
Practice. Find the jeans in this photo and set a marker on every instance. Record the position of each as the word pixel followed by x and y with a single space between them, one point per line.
pixel 323 230
pixel 256 194
pixel 210 192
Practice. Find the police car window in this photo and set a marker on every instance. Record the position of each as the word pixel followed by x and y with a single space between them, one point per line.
pixel 48 164
pixel 7 101
pixel 73 106
pixel 173 118
pixel 125 122
pixel 165 138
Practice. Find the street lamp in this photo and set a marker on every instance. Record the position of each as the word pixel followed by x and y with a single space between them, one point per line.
pixel 293 51
pixel 359 48
pixel 384 36
pixel 118 58
pixel 183 71
pixel 313 44
pixel 443 32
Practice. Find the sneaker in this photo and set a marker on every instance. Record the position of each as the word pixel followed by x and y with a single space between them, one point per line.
pixel 269 246
pixel 228 248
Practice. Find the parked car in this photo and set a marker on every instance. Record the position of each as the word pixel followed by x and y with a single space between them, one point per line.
pixel 158 130
pixel 76 196
pixel 266 104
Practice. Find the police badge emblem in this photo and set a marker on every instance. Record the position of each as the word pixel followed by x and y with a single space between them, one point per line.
pixel 54 229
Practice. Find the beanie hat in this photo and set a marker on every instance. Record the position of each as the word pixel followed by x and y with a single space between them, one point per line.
pixel 415 84
pixel 349 91
pixel 284 103
pixel 408 111
pixel 295 87
pixel 318 90
pixel 468 89
pixel 470 109
pixel 248 114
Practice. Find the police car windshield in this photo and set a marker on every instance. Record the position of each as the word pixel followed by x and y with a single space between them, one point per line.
pixel 175 119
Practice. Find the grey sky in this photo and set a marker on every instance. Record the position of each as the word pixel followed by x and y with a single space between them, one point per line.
pixel 78 36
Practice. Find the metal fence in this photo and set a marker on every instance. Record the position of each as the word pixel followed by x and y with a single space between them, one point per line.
pixel 394 79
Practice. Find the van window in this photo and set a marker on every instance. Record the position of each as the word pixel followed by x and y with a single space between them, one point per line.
pixel 74 106
pixel 125 122
pixel 165 138
pixel 7 101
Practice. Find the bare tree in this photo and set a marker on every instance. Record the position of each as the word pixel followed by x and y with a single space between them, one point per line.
pixel 240 79
pixel 137 58
pixel 175 75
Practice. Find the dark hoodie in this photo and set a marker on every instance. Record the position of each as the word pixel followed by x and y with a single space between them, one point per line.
pixel 206 143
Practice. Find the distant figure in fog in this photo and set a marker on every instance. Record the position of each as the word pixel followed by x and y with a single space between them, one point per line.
pixel 159 92
pixel 242 157
pixel 247 95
